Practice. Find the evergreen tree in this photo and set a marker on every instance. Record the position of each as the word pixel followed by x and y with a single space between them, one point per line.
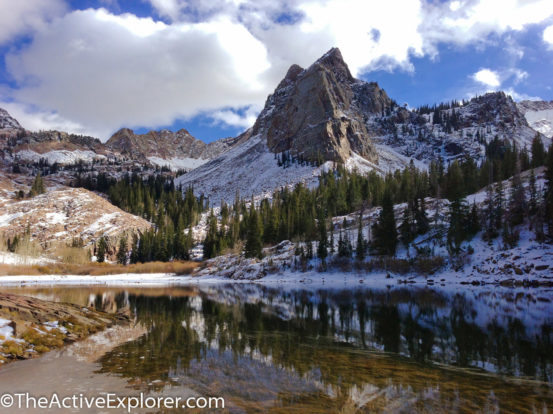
pixel 407 228
pixel 532 195
pixel 361 242
pixel 322 248
pixel 385 232
pixel 102 247
pixel 499 206
pixel 458 220
pixel 548 196
pixel 253 246
pixel 538 152
pixel 122 251
pixel 473 225
pixel 38 186
pixel 517 201
pixel 211 242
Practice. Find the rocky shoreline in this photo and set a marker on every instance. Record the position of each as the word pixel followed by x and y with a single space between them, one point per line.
pixel 29 327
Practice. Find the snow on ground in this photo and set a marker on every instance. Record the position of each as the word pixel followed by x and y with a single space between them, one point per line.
pixel 6 332
pixel 249 168
pixel 125 279
pixel 104 222
pixel 541 121
pixel 62 214
pixel 60 156
pixel 17 259
pixel 176 164
pixel 389 160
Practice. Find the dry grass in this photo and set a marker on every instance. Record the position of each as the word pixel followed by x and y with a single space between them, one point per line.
pixel 73 255
pixel 98 269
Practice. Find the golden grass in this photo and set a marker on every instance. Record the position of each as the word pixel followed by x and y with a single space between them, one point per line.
pixel 98 269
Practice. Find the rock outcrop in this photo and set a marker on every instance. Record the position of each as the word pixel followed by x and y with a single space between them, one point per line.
pixel 166 145
pixel 320 112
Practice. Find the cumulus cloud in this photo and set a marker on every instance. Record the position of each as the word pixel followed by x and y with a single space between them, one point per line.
pixel 21 17
pixel 487 77
pixel 103 71
pixel 548 35
pixel 471 21
pixel 235 118
pixel 34 119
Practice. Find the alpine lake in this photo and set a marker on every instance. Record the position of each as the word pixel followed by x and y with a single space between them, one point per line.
pixel 312 349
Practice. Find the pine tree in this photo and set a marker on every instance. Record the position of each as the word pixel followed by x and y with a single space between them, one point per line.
pixel 122 251
pixel 102 247
pixel 361 242
pixel 473 226
pixel 532 195
pixel 385 232
pixel 211 242
pixel 38 186
pixel 322 248
pixel 499 206
pixel 458 220
pixel 253 246
pixel 538 152
pixel 517 201
pixel 548 196
pixel 407 227
pixel 343 249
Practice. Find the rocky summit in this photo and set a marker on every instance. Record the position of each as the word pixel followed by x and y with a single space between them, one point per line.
pixel 320 112
pixel 165 145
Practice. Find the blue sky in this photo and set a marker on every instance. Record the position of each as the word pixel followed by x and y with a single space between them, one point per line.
pixel 94 66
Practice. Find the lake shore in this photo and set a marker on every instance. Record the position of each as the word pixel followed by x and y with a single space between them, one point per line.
pixel 313 277
pixel 30 327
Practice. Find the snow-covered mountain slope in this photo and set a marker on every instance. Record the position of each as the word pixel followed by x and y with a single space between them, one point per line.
pixel 539 115
pixel 59 156
pixel 248 168
pixel 460 131
pixel 7 122
pixel 62 214
pixel 176 164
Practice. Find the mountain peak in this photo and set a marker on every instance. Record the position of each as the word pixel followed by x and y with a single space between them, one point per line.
pixel 319 113
pixel 334 62
pixel 7 122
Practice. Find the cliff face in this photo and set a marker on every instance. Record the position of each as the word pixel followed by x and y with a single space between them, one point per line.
pixel 321 112
pixel 165 145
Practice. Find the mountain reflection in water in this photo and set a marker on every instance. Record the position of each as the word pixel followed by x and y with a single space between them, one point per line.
pixel 402 349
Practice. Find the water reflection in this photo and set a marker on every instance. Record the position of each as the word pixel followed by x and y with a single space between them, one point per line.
pixel 365 350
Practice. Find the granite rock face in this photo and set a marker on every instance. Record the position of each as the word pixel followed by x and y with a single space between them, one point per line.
pixel 320 112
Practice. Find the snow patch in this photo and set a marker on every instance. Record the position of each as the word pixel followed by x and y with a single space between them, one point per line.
pixel 60 156
pixel 176 164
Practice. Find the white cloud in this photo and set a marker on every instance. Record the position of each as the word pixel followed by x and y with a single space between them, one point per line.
pixel 548 35
pixel 233 118
pixel 35 119
pixel 519 75
pixel 517 96
pixel 107 71
pixel 474 20
pixel 487 77
pixel 21 17
pixel 102 71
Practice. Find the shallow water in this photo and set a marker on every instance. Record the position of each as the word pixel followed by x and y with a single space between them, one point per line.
pixel 295 349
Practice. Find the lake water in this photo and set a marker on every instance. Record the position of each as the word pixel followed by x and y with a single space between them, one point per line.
pixel 318 350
